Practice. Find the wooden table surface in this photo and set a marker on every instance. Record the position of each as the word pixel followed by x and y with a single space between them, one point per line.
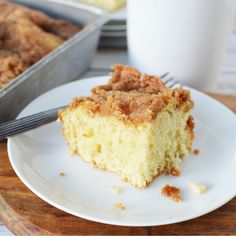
pixel 26 214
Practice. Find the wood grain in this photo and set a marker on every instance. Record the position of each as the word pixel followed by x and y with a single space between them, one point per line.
pixel 26 214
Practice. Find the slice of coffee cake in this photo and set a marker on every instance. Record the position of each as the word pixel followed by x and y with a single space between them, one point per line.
pixel 134 126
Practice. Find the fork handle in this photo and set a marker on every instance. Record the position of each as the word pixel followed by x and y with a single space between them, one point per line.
pixel 13 127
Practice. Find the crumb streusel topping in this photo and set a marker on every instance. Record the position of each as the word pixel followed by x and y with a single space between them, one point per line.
pixel 132 97
pixel 171 192
pixel 129 79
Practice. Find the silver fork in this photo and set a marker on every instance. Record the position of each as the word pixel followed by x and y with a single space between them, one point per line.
pixel 20 125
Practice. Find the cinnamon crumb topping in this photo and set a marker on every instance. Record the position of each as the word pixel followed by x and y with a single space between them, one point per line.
pixel 132 97
pixel 196 151
pixel 175 172
pixel 11 66
pixel 127 78
pixel 190 122
pixel 171 192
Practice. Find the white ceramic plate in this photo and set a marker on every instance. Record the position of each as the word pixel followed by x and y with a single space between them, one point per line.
pixel 38 156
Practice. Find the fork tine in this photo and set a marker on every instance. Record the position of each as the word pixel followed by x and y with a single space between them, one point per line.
pixel 168 80
pixel 173 84
pixel 164 75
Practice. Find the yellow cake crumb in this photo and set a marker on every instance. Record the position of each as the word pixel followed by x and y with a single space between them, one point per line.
pixel 198 188
pixel 116 189
pixel 119 205
pixel 62 174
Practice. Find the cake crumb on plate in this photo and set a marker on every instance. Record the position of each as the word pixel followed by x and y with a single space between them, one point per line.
pixel 62 174
pixel 119 205
pixel 196 151
pixel 198 188
pixel 171 192
pixel 116 189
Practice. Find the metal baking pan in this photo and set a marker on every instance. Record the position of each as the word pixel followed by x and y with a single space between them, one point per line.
pixel 62 65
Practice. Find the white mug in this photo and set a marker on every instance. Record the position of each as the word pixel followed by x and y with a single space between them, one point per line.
pixel 184 37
